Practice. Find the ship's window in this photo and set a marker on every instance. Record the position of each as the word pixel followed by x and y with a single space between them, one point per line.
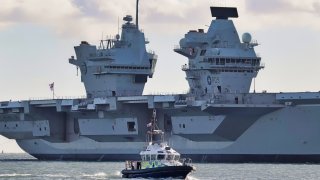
pixel 148 157
pixel 222 61
pixel 170 157
pixel 177 157
pixel 113 93
pixel 219 89
pixel 153 157
pixel 233 60
pixel 238 60
pixel 161 156
pixel 140 78
pixel 253 62
pixel 143 157
pixel 228 60
pixel 203 52
pixel 131 126
pixel 184 126
pixel 76 128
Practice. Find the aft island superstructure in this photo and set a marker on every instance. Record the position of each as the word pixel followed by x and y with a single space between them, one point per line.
pixel 218 120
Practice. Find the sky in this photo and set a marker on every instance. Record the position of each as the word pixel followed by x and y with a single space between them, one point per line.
pixel 37 38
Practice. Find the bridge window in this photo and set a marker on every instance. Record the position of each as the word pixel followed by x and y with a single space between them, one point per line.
pixel 222 61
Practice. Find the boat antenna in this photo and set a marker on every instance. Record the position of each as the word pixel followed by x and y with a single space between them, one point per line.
pixel 137 14
pixel 118 25
pixel 153 126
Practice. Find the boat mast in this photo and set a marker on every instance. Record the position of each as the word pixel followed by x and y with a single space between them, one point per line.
pixel 137 14
pixel 152 126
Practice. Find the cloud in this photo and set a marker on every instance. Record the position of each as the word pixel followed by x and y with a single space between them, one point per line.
pixel 176 11
pixel 271 7
pixel 316 6
pixel 86 19
pixel 74 18
pixel 89 8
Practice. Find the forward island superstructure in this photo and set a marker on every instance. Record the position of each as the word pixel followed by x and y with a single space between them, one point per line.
pixel 218 120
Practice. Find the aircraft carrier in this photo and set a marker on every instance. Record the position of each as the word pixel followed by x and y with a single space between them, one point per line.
pixel 218 120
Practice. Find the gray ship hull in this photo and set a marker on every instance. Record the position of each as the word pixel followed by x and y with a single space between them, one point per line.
pixel 208 158
pixel 231 133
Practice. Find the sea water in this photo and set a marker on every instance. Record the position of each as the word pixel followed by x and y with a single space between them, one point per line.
pixel 23 166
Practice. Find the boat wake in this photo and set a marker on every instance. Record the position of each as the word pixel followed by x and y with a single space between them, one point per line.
pixel 191 178
pixel 14 175
pixel 102 175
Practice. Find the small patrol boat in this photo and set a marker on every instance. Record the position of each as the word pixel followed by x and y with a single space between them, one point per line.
pixel 158 160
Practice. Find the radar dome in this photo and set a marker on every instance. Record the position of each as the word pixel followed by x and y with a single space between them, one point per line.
pixel 246 38
pixel 117 36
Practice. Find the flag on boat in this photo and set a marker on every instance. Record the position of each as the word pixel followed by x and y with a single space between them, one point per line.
pixel 149 125
pixel 51 86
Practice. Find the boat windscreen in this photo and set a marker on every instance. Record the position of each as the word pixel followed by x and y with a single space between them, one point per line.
pixel 161 156
pixel 147 157
pixel 153 157
pixel 170 157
